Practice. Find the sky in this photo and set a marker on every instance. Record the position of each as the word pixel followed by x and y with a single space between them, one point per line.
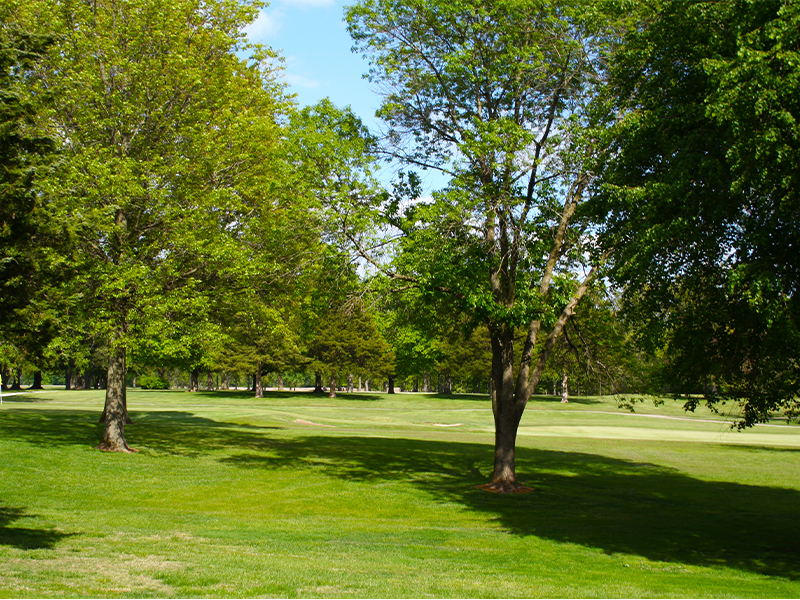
pixel 313 39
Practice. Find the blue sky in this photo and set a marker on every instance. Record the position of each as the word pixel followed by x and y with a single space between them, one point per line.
pixel 313 39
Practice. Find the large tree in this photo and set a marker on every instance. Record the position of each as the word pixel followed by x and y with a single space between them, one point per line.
pixel 495 96
pixel 32 245
pixel 167 139
pixel 700 193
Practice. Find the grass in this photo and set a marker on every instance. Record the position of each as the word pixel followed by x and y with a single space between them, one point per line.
pixel 371 495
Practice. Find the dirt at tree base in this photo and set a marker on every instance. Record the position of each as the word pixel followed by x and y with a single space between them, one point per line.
pixel 106 447
pixel 505 488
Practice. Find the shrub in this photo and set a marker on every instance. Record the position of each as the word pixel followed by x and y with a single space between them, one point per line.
pixel 153 382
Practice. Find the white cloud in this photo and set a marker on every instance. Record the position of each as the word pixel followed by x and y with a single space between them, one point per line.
pixel 267 24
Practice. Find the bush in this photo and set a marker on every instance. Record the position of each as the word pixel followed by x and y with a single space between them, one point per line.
pixel 153 382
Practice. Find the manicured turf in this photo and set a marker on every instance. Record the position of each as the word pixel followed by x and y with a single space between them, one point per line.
pixel 375 495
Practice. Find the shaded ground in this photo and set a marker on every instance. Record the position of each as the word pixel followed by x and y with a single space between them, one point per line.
pixel 618 506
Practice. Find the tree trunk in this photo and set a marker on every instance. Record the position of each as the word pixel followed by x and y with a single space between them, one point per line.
pixel 210 381
pixel 259 388
pixel 318 383
pixel 68 378
pixel 115 414
pixel 280 382
pixel 366 385
pixel 87 378
pixel 564 388
pixel 332 391
pixel 426 382
pixel 37 381
pixel 349 383
pixel 391 384
pixel 17 380
pixel 194 380
pixel 447 388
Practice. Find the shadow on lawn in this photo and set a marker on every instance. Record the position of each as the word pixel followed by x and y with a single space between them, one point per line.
pixel 615 505
pixel 26 538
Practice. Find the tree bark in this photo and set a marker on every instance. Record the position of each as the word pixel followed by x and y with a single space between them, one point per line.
pixel 332 391
pixel 210 381
pixel 318 383
pixel 565 388
pixel 68 378
pixel 115 414
pixel 37 381
pixel 194 380
pixel 280 382
pixel 17 380
pixel 259 388
pixel 391 384
pixel 349 383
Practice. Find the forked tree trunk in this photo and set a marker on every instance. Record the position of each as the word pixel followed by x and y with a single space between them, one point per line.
pixel 115 413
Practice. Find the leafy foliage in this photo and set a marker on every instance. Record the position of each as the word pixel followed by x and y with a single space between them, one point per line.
pixel 701 194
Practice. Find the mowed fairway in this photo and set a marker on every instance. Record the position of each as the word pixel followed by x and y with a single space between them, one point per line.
pixel 371 495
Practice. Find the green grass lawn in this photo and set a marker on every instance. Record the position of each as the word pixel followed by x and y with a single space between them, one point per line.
pixel 376 495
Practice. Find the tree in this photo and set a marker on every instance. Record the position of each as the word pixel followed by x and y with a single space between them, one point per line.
pixel 348 342
pixel 700 193
pixel 31 244
pixel 167 138
pixel 495 96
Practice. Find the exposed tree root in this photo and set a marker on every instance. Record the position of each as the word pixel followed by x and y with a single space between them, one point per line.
pixel 106 447
pixel 502 487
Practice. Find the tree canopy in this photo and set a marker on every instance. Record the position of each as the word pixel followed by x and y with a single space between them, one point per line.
pixel 699 194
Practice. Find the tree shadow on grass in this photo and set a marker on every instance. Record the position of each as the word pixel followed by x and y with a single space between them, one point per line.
pixel 164 432
pixel 26 538
pixel 615 505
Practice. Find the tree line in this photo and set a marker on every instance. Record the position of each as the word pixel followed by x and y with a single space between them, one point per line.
pixel 620 207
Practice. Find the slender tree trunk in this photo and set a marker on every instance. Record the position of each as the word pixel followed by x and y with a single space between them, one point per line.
pixel 68 377
pixel 17 380
pixel 318 383
pixel 115 414
pixel 332 391
pixel 194 380
pixel 259 389
pixel 210 381
pixel 366 385
pixel 349 383
pixel 37 381
pixel 391 384
pixel 565 388
pixel 426 381
pixel 280 382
